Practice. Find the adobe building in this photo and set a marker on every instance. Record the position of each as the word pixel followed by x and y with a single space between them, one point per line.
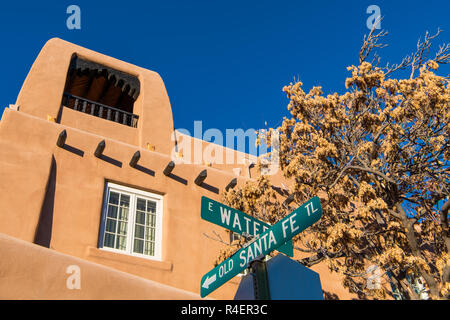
pixel 86 180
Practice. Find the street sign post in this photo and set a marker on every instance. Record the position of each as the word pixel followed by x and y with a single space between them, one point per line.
pixel 237 221
pixel 265 242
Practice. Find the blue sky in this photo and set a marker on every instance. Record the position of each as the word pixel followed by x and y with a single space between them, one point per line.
pixel 223 62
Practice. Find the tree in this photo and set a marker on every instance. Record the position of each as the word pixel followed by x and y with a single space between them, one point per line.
pixel 378 157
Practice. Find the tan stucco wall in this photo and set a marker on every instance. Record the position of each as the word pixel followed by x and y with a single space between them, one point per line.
pixel 80 182
pixel 29 271
pixel 28 144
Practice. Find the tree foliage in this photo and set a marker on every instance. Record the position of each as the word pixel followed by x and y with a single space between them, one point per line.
pixel 378 157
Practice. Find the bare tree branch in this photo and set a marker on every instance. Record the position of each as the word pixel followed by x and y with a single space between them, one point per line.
pixel 371 41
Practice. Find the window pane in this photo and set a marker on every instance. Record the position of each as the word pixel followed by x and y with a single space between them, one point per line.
pixel 109 240
pixel 111 225
pixel 123 214
pixel 112 211
pixel 149 248
pixel 138 246
pixel 150 234
pixel 140 204
pixel 124 200
pixel 140 217
pixel 122 230
pixel 151 220
pixel 139 231
pixel 113 197
pixel 151 206
pixel 121 243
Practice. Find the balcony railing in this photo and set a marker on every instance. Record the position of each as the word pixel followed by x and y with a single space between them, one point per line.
pixel 100 110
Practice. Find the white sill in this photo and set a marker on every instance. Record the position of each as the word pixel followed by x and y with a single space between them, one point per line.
pixel 138 255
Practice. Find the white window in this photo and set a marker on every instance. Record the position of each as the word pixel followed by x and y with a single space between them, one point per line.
pixel 131 222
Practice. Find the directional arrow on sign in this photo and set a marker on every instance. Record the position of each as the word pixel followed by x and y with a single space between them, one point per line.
pixel 208 281
pixel 284 230
pixel 237 221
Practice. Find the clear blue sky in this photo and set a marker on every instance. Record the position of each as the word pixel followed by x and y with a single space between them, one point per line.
pixel 223 62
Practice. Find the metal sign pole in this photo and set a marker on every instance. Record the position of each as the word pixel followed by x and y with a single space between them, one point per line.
pixel 260 281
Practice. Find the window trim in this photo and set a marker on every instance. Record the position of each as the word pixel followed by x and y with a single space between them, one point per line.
pixel 133 193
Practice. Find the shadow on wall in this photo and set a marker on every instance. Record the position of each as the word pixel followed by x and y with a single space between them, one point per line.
pixel 43 233
pixel 330 296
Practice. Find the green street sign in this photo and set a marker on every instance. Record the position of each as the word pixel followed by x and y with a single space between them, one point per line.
pixel 291 225
pixel 237 221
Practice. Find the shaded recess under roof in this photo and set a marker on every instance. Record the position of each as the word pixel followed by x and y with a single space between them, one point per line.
pixel 108 93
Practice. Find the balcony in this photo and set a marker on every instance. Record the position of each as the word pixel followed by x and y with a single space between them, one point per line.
pixel 101 91
pixel 99 110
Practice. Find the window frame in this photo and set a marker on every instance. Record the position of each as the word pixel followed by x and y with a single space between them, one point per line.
pixel 134 194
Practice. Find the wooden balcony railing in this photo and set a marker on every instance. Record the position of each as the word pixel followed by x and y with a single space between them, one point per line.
pixel 100 110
